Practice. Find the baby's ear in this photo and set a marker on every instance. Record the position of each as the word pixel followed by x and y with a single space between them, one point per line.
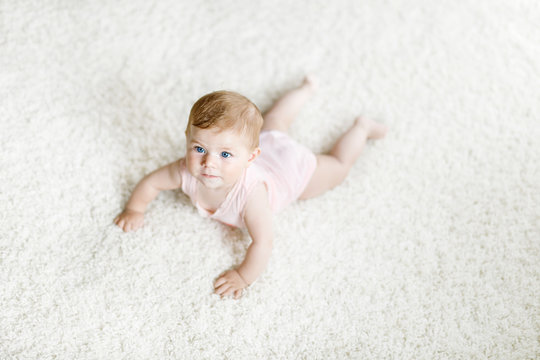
pixel 254 155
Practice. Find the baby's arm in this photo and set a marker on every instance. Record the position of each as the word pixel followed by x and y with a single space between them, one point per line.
pixel 258 220
pixel 165 178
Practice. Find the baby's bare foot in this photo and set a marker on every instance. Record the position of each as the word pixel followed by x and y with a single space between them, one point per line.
pixel 311 82
pixel 374 129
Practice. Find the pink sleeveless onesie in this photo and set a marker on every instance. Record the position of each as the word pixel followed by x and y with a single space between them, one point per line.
pixel 284 166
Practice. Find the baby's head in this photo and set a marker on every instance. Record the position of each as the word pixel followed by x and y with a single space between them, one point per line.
pixel 222 138
pixel 227 110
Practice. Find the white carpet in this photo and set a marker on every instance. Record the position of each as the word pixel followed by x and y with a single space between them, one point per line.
pixel 429 250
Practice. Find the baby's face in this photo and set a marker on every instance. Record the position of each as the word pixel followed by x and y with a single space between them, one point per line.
pixel 217 158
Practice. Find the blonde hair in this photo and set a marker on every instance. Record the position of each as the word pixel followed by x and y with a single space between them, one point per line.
pixel 227 110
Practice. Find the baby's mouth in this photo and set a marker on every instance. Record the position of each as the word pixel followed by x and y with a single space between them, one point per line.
pixel 209 176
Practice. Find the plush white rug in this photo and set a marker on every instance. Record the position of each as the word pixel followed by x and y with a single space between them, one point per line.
pixel 429 250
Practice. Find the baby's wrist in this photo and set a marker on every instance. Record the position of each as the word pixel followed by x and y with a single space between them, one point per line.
pixel 242 277
pixel 128 209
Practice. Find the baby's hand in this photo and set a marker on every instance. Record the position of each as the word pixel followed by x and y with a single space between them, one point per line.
pixel 129 220
pixel 230 282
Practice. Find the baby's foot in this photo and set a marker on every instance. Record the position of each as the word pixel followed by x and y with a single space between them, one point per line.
pixel 374 129
pixel 311 82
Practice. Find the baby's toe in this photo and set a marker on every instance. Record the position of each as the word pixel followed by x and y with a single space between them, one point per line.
pixel 312 81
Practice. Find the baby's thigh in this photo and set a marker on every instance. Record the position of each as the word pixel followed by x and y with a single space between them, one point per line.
pixel 328 173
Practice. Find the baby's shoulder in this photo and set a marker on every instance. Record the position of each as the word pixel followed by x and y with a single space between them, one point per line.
pixel 180 165
pixel 257 194
pixel 179 168
pixel 254 174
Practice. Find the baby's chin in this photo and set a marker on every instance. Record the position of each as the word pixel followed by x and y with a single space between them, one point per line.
pixel 214 183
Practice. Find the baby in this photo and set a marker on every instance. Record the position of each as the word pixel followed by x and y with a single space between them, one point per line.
pixel 241 167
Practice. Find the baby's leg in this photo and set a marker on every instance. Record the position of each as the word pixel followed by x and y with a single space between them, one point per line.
pixel 332 169
pixel 283 112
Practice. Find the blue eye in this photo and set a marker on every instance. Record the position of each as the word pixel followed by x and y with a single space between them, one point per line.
pixel 199 149
pixel 226 154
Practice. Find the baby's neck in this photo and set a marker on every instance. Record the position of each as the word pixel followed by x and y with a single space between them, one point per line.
pixel 211 199
pixel 221 191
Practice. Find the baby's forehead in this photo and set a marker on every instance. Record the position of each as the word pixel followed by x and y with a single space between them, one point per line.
pixel 217 136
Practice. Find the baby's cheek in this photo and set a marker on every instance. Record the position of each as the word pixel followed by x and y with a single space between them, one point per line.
pixel 234 170
pixel 192 164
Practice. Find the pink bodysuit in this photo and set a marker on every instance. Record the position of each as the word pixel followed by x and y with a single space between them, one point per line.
pixel 284 166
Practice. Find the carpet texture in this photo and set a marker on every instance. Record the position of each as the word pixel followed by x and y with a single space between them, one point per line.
pixel 429 250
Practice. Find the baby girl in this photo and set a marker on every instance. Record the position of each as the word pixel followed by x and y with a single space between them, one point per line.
pixel 241 167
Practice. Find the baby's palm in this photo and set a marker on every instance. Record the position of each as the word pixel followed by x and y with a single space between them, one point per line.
pixel 230 283
pixel 129 220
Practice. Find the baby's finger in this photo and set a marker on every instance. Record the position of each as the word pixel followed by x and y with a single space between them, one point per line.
pixel 229 291
pixel 219 282
pixel 223 288
pixel 238 294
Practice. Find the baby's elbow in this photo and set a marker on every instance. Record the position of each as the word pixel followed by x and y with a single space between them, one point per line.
pixel 265 243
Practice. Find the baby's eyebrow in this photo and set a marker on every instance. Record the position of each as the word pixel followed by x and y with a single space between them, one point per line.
pixel 196 141
pixel 227 147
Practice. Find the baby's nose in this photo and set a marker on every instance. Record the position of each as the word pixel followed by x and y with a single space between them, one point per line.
pixel 209 160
